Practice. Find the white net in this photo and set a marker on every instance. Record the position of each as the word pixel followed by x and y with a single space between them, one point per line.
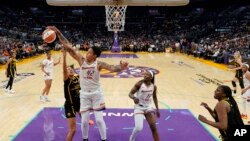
pixel 115 17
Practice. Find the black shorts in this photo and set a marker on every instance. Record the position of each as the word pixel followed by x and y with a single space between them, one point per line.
pixel 10 73
pixel 239 74
pixel 71 110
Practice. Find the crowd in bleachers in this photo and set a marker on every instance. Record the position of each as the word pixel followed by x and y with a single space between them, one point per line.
pixel 214 33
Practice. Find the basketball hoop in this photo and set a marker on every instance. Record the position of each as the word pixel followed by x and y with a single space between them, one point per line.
pixel 115 17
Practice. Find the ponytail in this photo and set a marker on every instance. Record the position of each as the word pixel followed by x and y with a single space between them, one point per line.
pixel 228 93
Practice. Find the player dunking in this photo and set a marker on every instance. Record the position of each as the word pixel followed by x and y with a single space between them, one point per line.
pixel 10 72
pixel 72 96
pixel 47 68
pixel 146 94
pixel 91 95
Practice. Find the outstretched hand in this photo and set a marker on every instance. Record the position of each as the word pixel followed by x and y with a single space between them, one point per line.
pixel 202 118
pixel 204 105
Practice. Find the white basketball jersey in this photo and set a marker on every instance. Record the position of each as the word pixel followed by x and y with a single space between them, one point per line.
pixel 89 78
pixel 145 94
pixel 245 80
pixel 48 65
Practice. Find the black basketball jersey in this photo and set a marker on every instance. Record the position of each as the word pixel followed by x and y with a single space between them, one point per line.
pixel 12 65
pixel 231 121
pixel 72 90
pixel 239 72
pixel 11 68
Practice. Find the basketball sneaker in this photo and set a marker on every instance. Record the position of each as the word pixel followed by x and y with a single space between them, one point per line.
pixel 47 99
pixel 12 91
pixel 6 90
pixel 42 98
pixel 243 116
pixel 234 94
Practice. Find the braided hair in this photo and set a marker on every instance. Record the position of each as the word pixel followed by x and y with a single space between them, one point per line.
pixel 228 93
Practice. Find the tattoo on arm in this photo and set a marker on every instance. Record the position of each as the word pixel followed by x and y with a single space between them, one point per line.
pixel 113 68
pixel 62 38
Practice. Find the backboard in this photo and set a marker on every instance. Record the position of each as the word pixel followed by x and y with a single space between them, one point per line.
pixel 118 2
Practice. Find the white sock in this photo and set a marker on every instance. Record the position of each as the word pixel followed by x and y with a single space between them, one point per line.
pixel 85 124
pixel 138 124
pixel 101 124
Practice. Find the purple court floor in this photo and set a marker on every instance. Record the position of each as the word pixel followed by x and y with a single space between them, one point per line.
pixel 174 125
pixel 117 55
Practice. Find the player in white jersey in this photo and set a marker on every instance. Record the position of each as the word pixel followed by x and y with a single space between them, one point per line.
pixel 246 93
pixel 146 94
pixel 47 67
pixel 91 95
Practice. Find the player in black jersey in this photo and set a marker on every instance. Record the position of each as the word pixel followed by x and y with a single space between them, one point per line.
pixel 71 94
pixel 11 72
pixel 226 112
pixel 238 72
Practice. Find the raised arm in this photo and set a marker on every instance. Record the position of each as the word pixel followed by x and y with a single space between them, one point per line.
pixel 65 74
pixel 221 109
pixel 59 60
pixel 208 108
pixel 113 68
pixel 156 101
pixel 67 45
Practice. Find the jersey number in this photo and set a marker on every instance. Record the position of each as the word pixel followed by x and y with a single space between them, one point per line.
pixel 90 74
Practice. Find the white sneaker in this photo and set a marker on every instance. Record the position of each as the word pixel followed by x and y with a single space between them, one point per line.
pixel 42 98
pixel 234 95
pixel 47 99
pixel 131 138
pixel 239 96
pixel 6 90
pixel 12 91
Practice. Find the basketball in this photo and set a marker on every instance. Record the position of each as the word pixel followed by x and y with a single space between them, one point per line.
pixel 49 36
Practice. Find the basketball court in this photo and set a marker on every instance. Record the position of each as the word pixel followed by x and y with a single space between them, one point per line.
pixel 183 83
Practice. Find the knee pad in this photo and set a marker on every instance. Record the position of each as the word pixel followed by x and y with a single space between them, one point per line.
pixel 138 128
pixel 233 83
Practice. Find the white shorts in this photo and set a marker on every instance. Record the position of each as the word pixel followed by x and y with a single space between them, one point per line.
pixel 139 109
pixel 47 77
pixel 246 95
pixel 92 102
